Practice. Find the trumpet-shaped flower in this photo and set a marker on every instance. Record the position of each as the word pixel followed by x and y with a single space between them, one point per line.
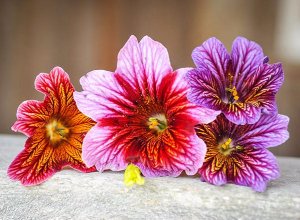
pixel 55 129
pixel 142 113
pixel 238 154
pixel 241 85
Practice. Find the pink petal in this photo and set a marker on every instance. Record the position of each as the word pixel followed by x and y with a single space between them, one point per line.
pixel 144 64
pixel 99 86
pixel 98 149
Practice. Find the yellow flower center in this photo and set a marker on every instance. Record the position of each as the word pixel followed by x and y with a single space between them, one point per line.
pixel 234 93
pixel 157 122
pixel 56 131
pixel 226 147
pixel 133 176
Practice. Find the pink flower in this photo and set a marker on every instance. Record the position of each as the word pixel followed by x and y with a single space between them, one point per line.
pixel 142 113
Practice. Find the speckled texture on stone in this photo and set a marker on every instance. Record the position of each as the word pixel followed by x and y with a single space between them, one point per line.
pixel 73 195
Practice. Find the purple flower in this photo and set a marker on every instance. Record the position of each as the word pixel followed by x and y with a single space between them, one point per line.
pixel 238 154
pixel 143 115
pixel 241 85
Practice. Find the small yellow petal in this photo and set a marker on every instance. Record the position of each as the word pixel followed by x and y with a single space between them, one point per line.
pixel 133 176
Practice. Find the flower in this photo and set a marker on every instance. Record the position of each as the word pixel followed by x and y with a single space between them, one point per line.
pixel 55 129
pixel 238 154
pixel 142 113
pixel 241 85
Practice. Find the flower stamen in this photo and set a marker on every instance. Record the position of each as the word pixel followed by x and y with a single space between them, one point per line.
pixel 133 176
pixel 234 93
pixel 56 131
pixel 157 123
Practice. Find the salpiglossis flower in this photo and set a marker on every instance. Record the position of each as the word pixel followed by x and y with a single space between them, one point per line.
pixel 241 85
pixel 142 113
pixel 237 153
pixel 55 129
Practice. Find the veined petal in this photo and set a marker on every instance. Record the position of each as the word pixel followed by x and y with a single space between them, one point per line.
pixel 174 154
pixel 57 89
pixel 180 85
pixel 260 87
pixel 155 60
pixel 204 89
pixel 34 164
pixel 213 55
pixel 242 113
pixel 99 149
pixel 246 57
pixel 269 131
pixel 255 168
pixel 31 115
pixel 100 87
pixel 70 154
pixel 144 64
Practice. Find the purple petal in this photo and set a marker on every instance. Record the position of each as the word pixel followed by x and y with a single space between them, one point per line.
pixel 269 131
pixel 203 89
pixel 212 171
pixel 246 57
pixel 260 88
pixel 213 56
pixel 242 113
pixel 255 168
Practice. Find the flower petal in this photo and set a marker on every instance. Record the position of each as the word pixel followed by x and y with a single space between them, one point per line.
pixel 242 113
pixel 144 65
pixel 204 90
pixel 260 87
pixel 57 88
pixel 176 153
pixel 99 88
pixel 213 56
pixel 255 168
pixel 99 149
pixel 40 160
pixel 246 57
pixel 34 164
pixel 269 131
pixel 31 115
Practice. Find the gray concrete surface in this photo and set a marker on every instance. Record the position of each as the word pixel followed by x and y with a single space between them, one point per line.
pixel 73 195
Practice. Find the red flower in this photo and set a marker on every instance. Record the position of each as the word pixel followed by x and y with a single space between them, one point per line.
pixel 55 128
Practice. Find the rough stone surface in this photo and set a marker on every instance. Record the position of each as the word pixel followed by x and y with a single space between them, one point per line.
pixel 73 195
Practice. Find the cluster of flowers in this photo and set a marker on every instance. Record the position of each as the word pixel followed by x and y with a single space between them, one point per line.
pixel 217 119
